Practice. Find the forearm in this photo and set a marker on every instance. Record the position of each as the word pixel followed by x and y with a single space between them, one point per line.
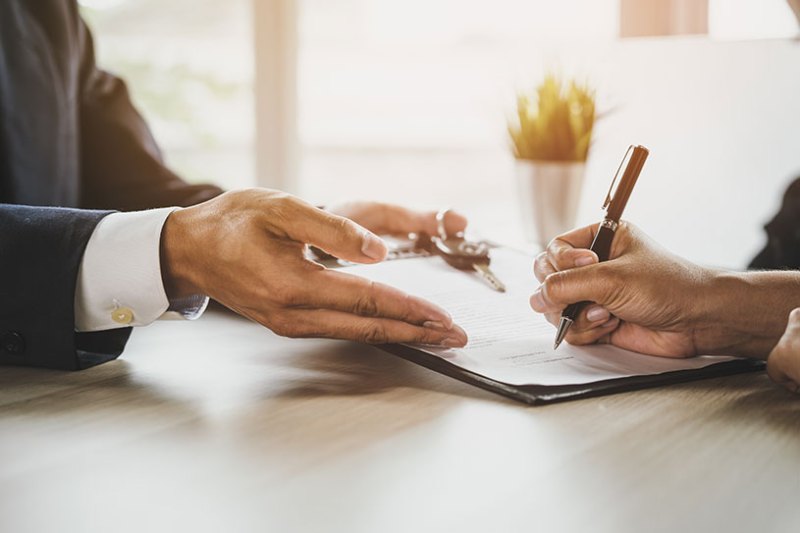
pixel 745 313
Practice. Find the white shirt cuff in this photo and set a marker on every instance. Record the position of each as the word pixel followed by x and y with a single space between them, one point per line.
pixel 119 280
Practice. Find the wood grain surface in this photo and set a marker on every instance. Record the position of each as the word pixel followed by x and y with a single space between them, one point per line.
pixel 218 425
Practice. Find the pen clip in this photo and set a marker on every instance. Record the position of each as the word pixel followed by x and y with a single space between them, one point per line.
pixel 609 196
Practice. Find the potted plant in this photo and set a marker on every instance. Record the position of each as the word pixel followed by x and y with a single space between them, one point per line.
pixel 551 137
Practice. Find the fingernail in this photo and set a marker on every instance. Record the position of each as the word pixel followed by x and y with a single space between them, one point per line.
pixel 456 338
pixel 596 314
pixel 537 300
pixel 453 343
pixel 435 315
pixel 584 260
pixel 613 322
pixel 373 246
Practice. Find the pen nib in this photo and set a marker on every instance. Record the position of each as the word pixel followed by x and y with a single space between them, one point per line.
pixel 563 327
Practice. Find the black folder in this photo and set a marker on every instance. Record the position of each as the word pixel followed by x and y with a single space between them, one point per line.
pixel 544 394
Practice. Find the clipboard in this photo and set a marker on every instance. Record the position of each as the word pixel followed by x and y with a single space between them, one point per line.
pixel 539 394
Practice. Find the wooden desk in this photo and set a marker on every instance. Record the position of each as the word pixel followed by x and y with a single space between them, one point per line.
pixel 220 426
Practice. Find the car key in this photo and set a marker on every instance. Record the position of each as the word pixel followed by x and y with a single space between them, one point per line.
pixel 462 254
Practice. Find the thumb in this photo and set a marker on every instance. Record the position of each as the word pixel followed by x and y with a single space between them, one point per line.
pixel 783 363
pixel 793 326
pixel 338 236
pixel 590 283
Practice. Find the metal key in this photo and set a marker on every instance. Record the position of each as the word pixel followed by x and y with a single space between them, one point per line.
pixel 462 254
pixel 489 277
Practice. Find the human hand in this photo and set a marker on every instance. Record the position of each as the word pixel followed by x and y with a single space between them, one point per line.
pixel 646 299
pixel 783 363
pixel 246 248
pixel 390 219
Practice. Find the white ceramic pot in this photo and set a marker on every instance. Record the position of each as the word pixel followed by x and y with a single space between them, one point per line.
pixel 549 193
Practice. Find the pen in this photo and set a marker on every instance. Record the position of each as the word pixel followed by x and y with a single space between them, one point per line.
pixel 614 204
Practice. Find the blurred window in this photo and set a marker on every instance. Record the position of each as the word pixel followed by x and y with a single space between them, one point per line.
pixel 407 100
pixel 189 67
pixel 395 97
pixel 721 19
pixel 751 19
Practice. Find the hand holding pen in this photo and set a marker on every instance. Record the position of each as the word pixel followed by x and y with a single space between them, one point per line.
pixel 648 300
pixel 615 202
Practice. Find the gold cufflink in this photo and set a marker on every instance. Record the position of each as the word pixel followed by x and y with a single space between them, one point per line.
pixel 122 315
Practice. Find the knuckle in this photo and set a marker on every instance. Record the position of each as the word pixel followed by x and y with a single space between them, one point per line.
pixel 374 333
pixel 283 206
pixel 542 267
pixel 540 261
pixel 408 304
pixel 366 304
pixel 558 246
pixel 552 248
pixel 554 284
pixel 344 227
pixel 608 275
pixel 278 216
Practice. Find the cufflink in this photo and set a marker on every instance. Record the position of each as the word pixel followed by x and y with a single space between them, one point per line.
pixel 12 342
pixel 122 315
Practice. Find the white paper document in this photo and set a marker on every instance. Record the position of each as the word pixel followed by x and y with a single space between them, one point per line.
pixel 508 342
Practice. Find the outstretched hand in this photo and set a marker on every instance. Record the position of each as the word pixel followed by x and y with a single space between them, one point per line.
pixel 246 248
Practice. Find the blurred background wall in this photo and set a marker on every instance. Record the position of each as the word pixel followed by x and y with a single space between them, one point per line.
pixel 407 100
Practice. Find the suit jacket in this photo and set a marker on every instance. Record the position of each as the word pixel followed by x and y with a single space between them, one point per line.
pixel 69 138
pixel 782 250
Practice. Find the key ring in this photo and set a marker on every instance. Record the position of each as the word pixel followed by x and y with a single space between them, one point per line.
pixel 440 226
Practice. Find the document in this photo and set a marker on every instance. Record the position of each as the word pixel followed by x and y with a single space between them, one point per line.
pixel 509 342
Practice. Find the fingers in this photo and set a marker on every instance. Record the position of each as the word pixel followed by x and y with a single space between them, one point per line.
pixel 593 283
pixel 336 235
pixel 783 363
pixel 401 221
pixel 596 335
pixel 329 289
pixel 590 317
pixel 568 273
pixel 453 223
pixel 339 325
pixel 542 267
pixel 391 219
pixel 570 250
pixel 592 325
pixel 579 237
pixel 564 255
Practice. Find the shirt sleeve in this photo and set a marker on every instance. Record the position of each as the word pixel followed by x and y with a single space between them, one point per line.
pixel 119 280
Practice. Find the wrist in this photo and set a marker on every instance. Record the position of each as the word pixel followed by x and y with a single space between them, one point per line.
pixel 745 313
pixel 177 274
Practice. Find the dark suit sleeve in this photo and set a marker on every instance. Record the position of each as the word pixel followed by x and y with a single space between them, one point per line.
pixel 122 167
pixel 41 249
pixel 782 250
